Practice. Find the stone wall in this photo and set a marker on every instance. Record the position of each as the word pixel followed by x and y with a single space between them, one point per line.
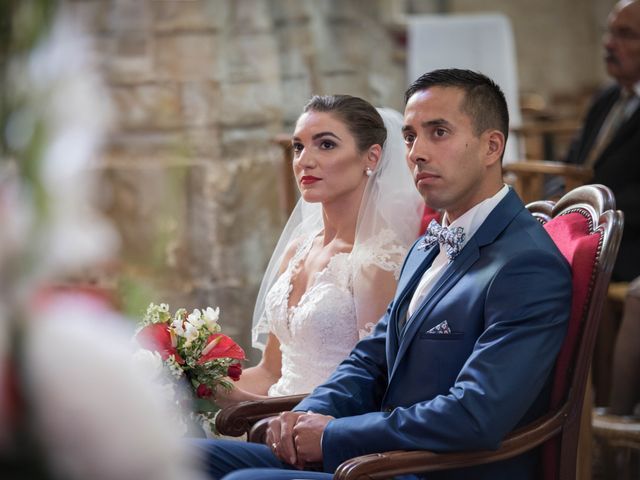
pixel 200 89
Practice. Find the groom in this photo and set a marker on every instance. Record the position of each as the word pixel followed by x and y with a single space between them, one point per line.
pixel 466 349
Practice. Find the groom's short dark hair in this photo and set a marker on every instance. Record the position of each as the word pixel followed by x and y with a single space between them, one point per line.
pixel 484 101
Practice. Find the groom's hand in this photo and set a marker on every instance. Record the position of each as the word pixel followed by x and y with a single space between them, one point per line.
pixel 279 436
pixel 307 435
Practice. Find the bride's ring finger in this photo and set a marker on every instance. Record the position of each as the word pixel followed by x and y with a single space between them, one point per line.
pixel 274 446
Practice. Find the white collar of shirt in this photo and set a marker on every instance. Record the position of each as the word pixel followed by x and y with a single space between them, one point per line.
pixel 470 221
pixel 633 102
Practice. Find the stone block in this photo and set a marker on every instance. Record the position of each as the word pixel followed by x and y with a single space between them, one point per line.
pixel 250 104
pixel 299 12
pixel 250 17
pixel 247 142
pixel 201 103
pixel 178 144
pixel 129 15
pixel 93 15
pixel 250 58
pixel 349 83
pixel 296 50
pixel 191 15
pixel 148 106
pixel 126 58
pixel 298 93
pixel 186 56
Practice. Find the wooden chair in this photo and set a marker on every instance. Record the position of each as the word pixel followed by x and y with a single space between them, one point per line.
pixel 618 435
pixel 528 177
pixel 587 229
pixel 616 428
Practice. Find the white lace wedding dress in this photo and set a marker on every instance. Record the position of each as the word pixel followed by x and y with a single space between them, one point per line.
pixel 319 332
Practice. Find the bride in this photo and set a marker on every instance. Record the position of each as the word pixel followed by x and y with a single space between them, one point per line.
pixel 336 264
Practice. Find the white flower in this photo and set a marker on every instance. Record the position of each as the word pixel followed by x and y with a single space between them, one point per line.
pixel 195 318
pixel 191 334
pixel 178 327
pixel 174 368
pixel 211 316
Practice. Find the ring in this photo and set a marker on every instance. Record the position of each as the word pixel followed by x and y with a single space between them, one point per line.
pixel 274 445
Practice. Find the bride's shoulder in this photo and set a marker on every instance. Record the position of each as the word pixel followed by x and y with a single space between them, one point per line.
pixel 295 246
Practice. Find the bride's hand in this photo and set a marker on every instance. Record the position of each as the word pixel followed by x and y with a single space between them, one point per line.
pixel 224 398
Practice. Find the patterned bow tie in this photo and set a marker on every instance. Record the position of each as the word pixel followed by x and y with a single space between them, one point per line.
pixel 451 238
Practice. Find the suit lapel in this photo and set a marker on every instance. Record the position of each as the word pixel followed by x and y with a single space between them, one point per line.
pixel 629 127
pixel 494 224
pixel 591 129
pixel 416 264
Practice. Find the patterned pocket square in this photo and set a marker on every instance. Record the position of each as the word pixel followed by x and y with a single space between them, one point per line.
pixel 441 329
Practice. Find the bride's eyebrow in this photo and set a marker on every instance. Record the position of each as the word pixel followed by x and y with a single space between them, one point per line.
pixel 325 134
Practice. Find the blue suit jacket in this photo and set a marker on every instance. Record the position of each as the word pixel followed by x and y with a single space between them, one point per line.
pixel 507 299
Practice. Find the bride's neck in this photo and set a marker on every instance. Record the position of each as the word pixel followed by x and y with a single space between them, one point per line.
pixel 339 220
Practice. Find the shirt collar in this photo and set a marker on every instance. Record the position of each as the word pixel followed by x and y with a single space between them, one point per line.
pixel 471 220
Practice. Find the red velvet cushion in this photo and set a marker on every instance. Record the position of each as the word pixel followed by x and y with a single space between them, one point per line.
pixel 570 233
pixel 428 215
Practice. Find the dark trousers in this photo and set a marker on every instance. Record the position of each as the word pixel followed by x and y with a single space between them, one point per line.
pixel 236 460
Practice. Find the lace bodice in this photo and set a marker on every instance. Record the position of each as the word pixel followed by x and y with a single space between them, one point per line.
pixel 319 332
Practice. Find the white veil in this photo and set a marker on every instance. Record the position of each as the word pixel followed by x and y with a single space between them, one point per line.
pixel 388 224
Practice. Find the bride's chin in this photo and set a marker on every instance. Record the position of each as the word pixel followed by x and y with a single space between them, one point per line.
pixel 310 197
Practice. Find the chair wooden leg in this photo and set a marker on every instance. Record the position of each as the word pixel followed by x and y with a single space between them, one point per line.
pixel 583 466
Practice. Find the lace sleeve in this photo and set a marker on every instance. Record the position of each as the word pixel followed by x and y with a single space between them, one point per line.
pixel 382 251
pixel 376 271
pixel 366 330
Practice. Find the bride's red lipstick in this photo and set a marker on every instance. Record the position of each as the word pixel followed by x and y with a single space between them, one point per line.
pixel 308 180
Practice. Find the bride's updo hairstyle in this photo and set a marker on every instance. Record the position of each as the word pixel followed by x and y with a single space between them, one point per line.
pixel 361 118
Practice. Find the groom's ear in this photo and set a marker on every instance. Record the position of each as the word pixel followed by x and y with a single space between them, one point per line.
pixel 373 156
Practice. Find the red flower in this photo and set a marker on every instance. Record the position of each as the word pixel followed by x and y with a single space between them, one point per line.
pixel 220 346
pixel 203 391
pixel 157 338
pixel 234 371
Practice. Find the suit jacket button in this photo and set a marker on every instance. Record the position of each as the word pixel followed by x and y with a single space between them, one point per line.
pixel 388 409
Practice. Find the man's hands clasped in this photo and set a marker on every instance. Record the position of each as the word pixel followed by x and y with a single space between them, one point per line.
pixel 294 437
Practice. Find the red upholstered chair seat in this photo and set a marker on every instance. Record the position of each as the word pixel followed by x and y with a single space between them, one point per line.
pixel 428 215
pixel 572 234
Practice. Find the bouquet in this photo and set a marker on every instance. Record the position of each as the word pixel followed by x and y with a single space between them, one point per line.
pixel 190 348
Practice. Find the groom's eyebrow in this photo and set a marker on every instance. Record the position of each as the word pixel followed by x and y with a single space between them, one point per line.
pixel 436 122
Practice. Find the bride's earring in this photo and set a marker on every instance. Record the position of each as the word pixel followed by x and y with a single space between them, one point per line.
pixel 368 172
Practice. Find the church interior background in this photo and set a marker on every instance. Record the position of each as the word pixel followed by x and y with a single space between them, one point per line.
pixel 191 174
pixel 187 106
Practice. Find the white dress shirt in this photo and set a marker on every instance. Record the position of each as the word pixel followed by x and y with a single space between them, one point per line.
pixel 470 221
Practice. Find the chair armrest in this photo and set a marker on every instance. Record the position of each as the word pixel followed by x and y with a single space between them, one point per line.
pixel 237 420
pixel 550 168
pixel 258 431
pixel 618 430
pixel 388 464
